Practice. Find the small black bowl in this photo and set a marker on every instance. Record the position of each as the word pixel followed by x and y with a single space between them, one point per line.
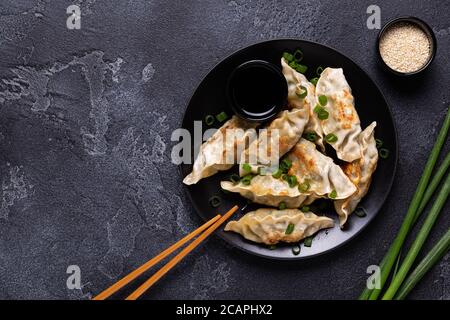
pixel 428 31
pixel 256 90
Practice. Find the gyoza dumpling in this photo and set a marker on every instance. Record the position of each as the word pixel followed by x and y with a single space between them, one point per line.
pixel 343 121
pixel 270 226
pixel 360 173
pixel 268 191
pixel 222 150
pixel 281 135
pixel 318 172
pixel 295 81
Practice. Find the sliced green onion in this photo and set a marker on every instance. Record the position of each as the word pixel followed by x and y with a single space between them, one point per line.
pixel 305 209
pixel 285 164
pixel 318 108
pixel 323 100
pixel 319 71
pixel 331 138
pixel 290 228
pixel 277 174
pixel 314 81
pixel 246 180
pixel 272 247
pixel 247 168
pixel 301 68
pixel 310 136
pixel 323 114
pixel 435 254
pixel 235 178
pixel 215 201
pixel 298 55
pixel 282 205
pixel 288 57
pixel 360 212
pixel 209 120
pixel 298 67
pixel 292 181
pixel 296 250
pixel 308 241
pixel 384 153
pixel 221 117
pixel 303 94
pixel 379 143
pixel 304 186
pixel 333 194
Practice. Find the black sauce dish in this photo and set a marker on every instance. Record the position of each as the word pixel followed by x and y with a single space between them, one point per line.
pixel 256 90
pixel 422 25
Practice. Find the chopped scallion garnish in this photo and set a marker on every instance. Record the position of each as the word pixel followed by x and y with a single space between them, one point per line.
pixel 282 205
pixel 319 71
pixel 296 250
pixel 247 168
pixel 310 136
pixel 221 117
pixel 308 241
pixel 314 81
pixel 285 165
pixel 209 120
pixel 384 153
pixel 305 209
pixel 215 201
pixel 290 228
pixel 246 180
pixel 333 194
pixel 331 138
pixel 298 55
pixel 277 174
pixel 318 108
pixel 292 181
pixel 304 186
pixel 360 212
pixel 323 100
pixel 379 143
pixel 288 57
pixel 303 93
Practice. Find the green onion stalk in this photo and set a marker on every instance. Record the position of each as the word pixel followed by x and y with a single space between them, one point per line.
pixel 389 260
pixel 435 254
pixel 419 241
pixel 426 197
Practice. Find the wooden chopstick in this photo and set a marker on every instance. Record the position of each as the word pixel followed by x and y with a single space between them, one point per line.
pixel 136 273
pixel 161 272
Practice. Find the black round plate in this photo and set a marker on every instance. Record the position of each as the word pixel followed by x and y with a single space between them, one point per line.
pixel 209 98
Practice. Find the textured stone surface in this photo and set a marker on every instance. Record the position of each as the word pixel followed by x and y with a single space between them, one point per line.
pixel 85 123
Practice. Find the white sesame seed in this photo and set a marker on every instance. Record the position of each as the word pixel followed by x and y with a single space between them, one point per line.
pixel 405 47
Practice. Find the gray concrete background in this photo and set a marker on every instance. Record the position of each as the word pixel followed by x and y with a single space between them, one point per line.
pixel 85 123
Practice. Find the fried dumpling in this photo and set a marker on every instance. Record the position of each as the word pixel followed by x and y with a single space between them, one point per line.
pixel 360 173
pixel 280 135
pixel 270 226
pixel 268 191
pixel 222 150
pixel 343 120
pixel 295 81
pixel 318 172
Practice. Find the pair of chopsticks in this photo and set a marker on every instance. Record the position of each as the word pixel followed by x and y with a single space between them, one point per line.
pixel 209 226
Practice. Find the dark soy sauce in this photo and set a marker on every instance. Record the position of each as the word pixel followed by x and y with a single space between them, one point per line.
pixel 258 90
